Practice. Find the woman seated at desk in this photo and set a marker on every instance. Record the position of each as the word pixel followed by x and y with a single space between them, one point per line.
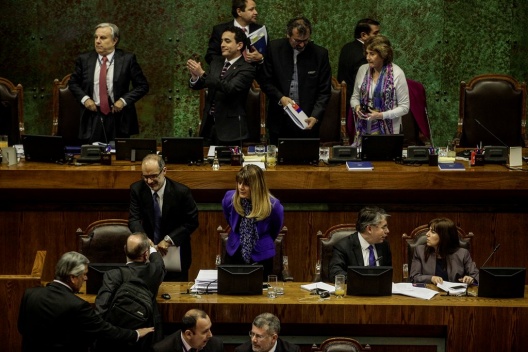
pixel 442 258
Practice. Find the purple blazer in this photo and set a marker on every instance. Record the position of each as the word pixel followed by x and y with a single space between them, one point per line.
pixel 267 229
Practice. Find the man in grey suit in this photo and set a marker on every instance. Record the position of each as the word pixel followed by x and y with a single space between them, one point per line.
pixel 107 113
pixel 228 81
pixel 172 222
pixel 365 247
pixel 195 335
pixel 264 336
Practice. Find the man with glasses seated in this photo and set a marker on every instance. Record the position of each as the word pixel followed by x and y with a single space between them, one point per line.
pixel 365 247
pixel 166 211
pixel 264 336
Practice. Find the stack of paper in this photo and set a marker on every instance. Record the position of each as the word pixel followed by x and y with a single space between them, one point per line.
pixel 297 115
pixel 318 285
pixel 453 288
pixel 206 281
pixel 407 289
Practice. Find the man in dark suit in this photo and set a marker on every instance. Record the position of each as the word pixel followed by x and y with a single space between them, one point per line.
pixel 297 70
pixel 102 120
pixel 366 247
pixel 195 334
pixel 353 54
pixel 264 336
pixel 245 17
pixel 228 81
pixel 53 318
pixel 144 262
pixel 170 221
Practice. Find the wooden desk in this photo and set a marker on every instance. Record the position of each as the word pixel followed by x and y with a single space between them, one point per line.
pixel 478 324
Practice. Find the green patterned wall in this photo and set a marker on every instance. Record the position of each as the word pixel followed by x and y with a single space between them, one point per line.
pixel 438 43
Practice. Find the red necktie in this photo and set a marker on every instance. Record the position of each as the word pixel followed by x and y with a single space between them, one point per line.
pixel 103 91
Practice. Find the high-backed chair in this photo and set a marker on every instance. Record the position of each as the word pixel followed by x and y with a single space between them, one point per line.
pixel 255 111
pixel 11 111
pixel 66 110
pixel 417 237
pixel 416 127
pixel 280 261
pixel 333 127
pixel 340 344
pixel 325 246
pixel 103 241
pixel 492 111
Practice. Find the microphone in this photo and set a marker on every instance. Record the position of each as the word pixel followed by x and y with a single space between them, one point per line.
pixel 104 130
pixel 190 132
pixel 379 258
pixel 491 133
pixel 494 250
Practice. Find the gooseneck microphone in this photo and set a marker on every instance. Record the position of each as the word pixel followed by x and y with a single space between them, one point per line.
pixel 494 250
pixel 491 133
pixel 379 258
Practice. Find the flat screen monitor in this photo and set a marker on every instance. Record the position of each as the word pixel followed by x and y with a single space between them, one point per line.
pixel 298 151
pixel 182 150
pixel 96 273
pixel 502 282
pixel 236 279
pixel 369 281
pixel 381 147
pixel 134 149
pixel 49 149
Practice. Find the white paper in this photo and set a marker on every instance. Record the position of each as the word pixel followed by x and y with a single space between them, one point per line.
pixel 407 289
pixel 515 156
pixel 318 285
pixel 206 280
pixel 453 288
pixel 297 115
pixel 172 259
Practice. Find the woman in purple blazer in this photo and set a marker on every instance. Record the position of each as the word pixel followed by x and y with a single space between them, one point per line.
pixel 255 218
pixel 442 258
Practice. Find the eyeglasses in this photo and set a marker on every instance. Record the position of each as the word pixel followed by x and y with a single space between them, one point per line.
pixel 301 41
pixel 151 177
pixel 257 336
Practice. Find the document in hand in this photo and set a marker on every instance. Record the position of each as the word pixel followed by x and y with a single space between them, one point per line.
pixel 297 115
pixel 453 288
pixel 407 289
pixel 318 285
pixel 259 39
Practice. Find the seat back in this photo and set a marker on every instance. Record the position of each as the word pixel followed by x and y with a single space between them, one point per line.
pixel 340 344
pixel 325 244
pixel 498 102
pixel 280 261
pixel 333 126
pixel 416 126
pixel 103 241
pixel 417 237
pixel 11 111
pixel 66 110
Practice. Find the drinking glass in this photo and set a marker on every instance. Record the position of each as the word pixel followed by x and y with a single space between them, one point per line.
pixel 260 150
pixel 324 153
pixel 271 156
pixel 272 285
pixel 405 272
pixel 3 141
pixel 340 286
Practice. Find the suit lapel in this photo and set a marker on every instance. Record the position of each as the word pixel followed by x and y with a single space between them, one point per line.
pixel 356 249
pixel 118 66
pixel 91 63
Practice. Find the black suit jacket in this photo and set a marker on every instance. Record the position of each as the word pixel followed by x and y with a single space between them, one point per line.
pixel 229 95
pixel 315 82
pixel 213 50
pixel 179 216
pixel 351 58
pixel 52 318
pixel 347 252
pixel 173 343
pixel 126 71
pixel 282 346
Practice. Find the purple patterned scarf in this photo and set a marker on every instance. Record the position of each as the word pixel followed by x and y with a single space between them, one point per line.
pixel 248 231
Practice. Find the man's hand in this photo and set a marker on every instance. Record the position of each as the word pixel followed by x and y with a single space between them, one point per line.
pixel 144 331
pixel 195 68
pixel 311 121
pixel 284 101
pixel 163 247
pixel 253 55
pixel 118 106
pixel 90 105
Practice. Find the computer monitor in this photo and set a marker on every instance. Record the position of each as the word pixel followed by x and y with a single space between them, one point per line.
pixel 96 273
pixel 381 147
pixel 298 151
pixel 187 150
pixel 49 149
pixel 369 281
pixel 134 149
pixel 234 279
pixel 501 282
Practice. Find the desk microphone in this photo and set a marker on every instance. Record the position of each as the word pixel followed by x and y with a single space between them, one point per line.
pixel 494 250
pixel 491 133
pixel 379 258
pixel 190 132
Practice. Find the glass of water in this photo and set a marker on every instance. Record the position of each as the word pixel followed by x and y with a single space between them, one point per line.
pixel 272 286
pixel 340 286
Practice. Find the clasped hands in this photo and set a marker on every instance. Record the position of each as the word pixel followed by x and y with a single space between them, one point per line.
pixel 311 121
pixel 372 114
pixel 195 68
pixel 117 107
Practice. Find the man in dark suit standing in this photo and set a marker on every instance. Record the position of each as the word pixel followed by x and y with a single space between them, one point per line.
pixel 195 335
pixel 264 336
pixel 144 262
pixel 353 54
pixel 297 70
pixel 365 247
pixel 245 17
pixel 228 81
pixel 101 83
pixel 165 210
pixel 53 318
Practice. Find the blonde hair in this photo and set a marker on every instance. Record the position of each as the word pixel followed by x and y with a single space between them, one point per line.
pixel 252 176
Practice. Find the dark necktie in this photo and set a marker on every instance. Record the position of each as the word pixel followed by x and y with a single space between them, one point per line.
pixel 372 258
pixel 157 219
pixel 224 70
pixel 103 90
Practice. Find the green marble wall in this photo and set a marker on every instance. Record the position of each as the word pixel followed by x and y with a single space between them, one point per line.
pixel 438 43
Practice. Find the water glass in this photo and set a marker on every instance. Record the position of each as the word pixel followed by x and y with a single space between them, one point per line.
pixel 3 141
pixel 324 153
pixel 279 289
pixel 271 156
pixel 405 272
pixel 260 150
pixel 340 286
pixel 272 285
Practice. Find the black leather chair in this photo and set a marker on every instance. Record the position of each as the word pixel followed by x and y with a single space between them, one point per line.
pixel 103 241
pixel 340 344
pixel 66 113
pixel 333 127
pixel 325 246
pixel 11 111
